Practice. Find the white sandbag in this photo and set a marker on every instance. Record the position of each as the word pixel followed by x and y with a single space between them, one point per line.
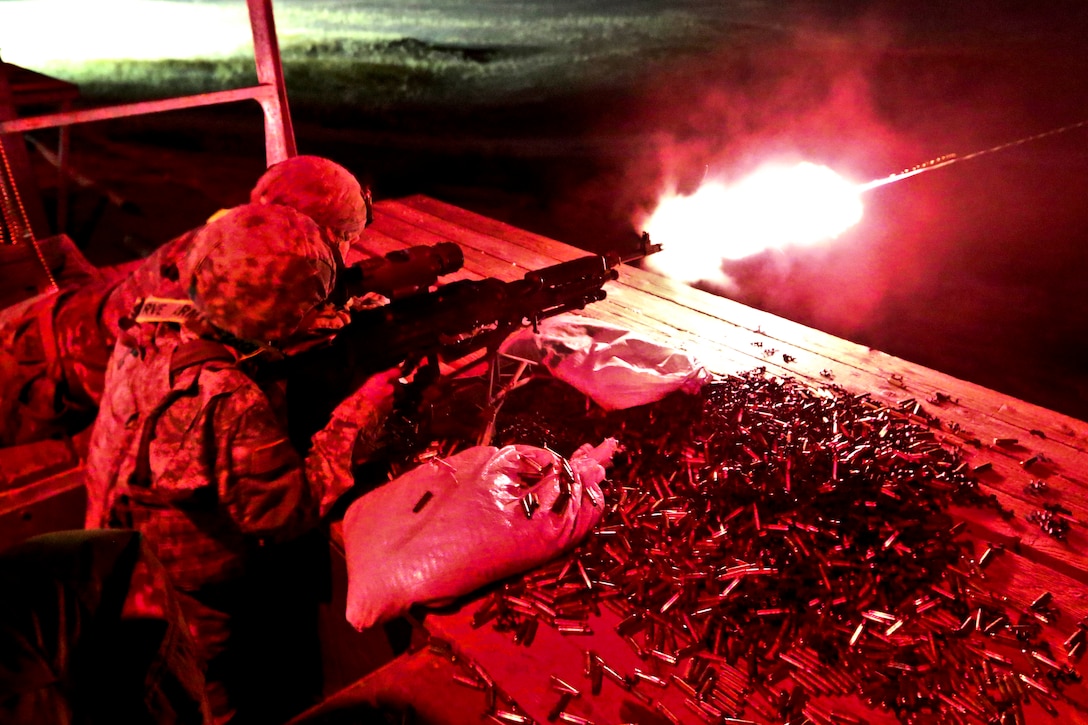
pixel 451 526
pixel 614 367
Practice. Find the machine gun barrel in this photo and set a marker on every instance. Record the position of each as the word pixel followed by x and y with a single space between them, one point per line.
pixel 446 324
pixel 463 316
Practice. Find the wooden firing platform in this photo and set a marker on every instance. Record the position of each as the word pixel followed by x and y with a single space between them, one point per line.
pixel 988 427
pixel 722 334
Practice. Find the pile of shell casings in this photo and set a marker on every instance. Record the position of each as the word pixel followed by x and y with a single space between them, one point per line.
pixel 769 547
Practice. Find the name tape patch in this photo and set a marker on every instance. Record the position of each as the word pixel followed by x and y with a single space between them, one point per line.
pixel 164 309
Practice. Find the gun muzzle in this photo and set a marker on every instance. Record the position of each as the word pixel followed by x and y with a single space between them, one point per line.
pixel 644 248
pixel 403 272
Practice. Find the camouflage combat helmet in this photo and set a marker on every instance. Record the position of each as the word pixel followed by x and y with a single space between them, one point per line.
pixel 319 188
pixel 258 270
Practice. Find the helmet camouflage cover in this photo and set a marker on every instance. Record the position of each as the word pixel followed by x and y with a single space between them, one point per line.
pixel 258 270
pixel 319 188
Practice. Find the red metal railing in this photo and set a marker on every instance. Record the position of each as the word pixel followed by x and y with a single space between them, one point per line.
pixel 270 92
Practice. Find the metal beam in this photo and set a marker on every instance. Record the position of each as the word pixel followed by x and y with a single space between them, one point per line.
pixel 279 133
pixel 21 209
pixel 271 94
pixel 141 108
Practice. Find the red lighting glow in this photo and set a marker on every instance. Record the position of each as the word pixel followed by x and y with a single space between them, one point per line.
pixel 776 207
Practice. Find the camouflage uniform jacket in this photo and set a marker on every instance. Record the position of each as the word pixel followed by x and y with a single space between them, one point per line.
pixel 52 363
pixel 54 348
pixel 199 461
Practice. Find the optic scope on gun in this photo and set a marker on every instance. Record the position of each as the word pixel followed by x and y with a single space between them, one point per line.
pixel 404 271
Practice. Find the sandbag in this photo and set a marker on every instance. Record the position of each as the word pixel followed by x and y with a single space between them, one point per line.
pixel 453 525
pixel 613 366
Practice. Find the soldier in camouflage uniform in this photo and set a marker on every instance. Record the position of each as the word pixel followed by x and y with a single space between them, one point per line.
pixel 54 348
pixel 191 450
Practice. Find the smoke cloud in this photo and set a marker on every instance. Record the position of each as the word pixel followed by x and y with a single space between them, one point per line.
pixel 871 94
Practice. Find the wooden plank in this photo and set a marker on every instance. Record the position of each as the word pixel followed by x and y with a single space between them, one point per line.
pixel 31 88
pixel 33 492
pixel 500 249
pixel 542 245
pixel 57 503
pixel 729 337
pixel 419 686
pixel 36 461
pixel 477 264
pixel 991 413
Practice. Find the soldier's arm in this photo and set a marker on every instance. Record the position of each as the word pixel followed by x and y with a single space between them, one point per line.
pixel 263 482
pixel 351 435
pixel 274 493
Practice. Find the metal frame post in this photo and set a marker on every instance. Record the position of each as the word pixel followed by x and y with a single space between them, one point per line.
pixel 270 93
pixel 15 168
pixel 279 133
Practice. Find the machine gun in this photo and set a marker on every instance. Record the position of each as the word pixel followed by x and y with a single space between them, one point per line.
pixel 441 326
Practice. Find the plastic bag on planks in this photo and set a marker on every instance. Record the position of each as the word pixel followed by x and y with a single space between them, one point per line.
pixel 615 367
pixel 453 525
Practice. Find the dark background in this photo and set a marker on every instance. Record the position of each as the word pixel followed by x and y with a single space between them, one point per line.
pixel 976 269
